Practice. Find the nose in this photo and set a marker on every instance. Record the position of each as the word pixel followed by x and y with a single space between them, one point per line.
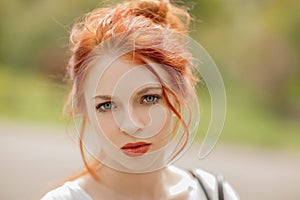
pixel 129 124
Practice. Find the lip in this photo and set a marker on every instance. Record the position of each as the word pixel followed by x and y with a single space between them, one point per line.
pixel 135 149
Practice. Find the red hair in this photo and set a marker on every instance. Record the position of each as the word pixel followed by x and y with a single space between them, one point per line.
pixel 142 23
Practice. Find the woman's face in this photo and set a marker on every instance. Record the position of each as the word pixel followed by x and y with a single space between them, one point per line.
pixel 125 104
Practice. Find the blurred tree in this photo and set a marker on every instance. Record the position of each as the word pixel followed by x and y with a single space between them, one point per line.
pixel 28 27
pixel 258 40
pixel 259 49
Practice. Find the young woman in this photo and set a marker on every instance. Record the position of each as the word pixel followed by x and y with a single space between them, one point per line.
pixel 134 105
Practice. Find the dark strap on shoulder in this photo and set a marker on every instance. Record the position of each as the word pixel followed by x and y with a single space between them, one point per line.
pixel 219 182
pixel 200 183
pixel 220 187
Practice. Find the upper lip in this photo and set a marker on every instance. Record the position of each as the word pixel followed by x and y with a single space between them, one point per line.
pixel 134 145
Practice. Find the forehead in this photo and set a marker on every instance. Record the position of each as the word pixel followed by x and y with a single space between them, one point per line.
pixel 120 76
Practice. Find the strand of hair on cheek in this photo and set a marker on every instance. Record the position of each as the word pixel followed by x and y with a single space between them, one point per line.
pixel 186 132
pixel 164 89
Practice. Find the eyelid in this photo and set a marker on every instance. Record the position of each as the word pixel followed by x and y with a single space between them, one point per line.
pixel 98 106
pixel 147 95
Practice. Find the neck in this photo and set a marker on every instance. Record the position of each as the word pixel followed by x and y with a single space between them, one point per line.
pixel 133 184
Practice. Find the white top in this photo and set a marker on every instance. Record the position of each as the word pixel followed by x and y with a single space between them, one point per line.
pixel 71 190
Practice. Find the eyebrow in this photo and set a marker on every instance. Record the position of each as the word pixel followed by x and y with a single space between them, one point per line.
pixel 104 97
pixel 145 90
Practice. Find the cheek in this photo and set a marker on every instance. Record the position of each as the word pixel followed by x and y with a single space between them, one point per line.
pixel 142 113
pixel 106 124
pixel 168 124
pixel 166 134
pixel 166 129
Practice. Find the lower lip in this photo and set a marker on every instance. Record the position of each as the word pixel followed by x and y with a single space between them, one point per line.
pixel 136 151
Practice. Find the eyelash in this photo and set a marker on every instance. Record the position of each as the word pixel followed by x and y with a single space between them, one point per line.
pixel 100 107
pixel 156 97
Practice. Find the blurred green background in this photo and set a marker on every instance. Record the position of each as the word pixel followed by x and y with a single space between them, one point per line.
pixel 255 44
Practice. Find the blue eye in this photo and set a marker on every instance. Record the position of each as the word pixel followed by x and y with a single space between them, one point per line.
pixel 103 107
pixel 150 99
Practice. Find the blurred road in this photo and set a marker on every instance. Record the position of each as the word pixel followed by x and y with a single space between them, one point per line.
pixel 34 158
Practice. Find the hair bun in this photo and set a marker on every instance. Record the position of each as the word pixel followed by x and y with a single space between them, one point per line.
pixel 162 12
pixel 154 10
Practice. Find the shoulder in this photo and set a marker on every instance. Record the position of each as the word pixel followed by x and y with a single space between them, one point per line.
pixel 68 191
pixel 214 186
pixel 184 185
